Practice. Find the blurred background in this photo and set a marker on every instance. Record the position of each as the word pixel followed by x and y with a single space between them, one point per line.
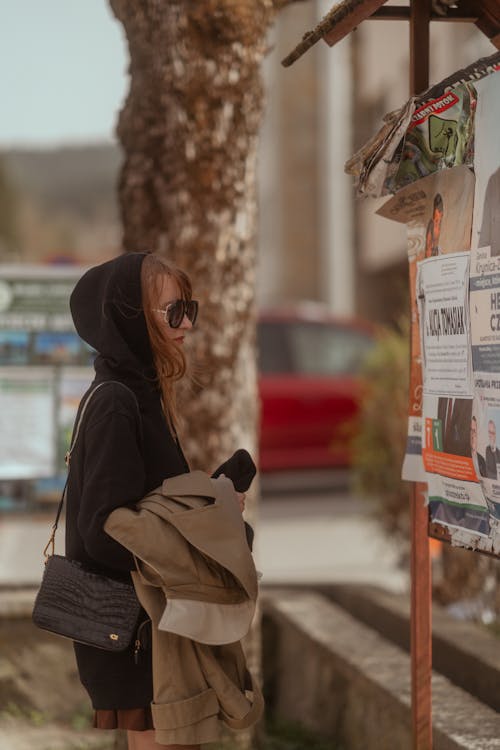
pixel 331 287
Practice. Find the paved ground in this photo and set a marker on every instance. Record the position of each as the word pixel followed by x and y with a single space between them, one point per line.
pixel 323 538
pixel 320 535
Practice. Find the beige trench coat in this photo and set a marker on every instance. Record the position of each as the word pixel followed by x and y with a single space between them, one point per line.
pixel 197 580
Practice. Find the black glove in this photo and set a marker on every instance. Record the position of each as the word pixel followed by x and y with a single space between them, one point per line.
pixel 240 468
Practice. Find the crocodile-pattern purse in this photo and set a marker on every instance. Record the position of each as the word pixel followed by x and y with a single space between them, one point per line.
pixel 85 606
pixel 82 605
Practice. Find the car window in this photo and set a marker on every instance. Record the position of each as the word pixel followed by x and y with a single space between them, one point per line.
pixel 273 348
pixel 321 349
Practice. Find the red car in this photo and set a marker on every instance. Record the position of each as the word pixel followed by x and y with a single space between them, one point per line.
pixel 308 380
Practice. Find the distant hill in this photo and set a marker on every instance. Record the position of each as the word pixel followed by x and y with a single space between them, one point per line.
pixel 64 203
pixel 79 179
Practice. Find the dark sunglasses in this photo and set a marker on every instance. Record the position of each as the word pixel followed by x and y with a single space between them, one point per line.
pixel 175 311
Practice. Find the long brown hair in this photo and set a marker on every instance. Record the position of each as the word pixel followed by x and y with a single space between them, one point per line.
pixel 169 359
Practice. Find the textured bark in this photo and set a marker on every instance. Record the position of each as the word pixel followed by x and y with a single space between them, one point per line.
pixel 189 131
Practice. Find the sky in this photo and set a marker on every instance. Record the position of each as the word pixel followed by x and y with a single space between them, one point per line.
pixel 63 72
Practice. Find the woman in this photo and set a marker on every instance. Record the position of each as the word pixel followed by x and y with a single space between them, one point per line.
pixel 135 311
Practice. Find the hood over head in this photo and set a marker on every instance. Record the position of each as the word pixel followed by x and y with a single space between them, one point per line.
pixel 106 306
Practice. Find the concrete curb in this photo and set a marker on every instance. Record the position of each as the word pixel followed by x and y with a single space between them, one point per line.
pixel 342 679
pixel 25 656
pixel 464 652
pixel 17 603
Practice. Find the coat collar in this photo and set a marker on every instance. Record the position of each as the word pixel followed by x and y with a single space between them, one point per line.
pixel 216 527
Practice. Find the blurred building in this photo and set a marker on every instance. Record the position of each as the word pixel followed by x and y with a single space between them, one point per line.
pixel 317 241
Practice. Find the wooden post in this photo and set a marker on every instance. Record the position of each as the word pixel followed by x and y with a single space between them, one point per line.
pixel 420 16
pixel 421 628
pixel 421 588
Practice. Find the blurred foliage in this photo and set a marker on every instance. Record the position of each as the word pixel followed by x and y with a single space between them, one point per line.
pixel 379 444
pixel 23 713
pixel 82 717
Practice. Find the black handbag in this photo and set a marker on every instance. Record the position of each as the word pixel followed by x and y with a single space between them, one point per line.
pixel 80 604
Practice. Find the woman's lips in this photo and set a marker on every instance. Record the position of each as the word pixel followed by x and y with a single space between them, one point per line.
pixel 180 339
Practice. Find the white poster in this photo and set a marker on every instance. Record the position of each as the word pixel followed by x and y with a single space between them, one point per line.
pixel 27 423
pixel 442 296
pixel 437 211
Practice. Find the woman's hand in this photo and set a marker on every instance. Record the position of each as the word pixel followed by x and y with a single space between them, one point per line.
pixel 240 496
pixel 241 499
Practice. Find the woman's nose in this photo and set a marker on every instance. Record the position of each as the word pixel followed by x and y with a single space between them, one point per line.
pixel 186 323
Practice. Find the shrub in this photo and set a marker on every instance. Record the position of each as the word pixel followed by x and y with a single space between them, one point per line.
pixel 379 444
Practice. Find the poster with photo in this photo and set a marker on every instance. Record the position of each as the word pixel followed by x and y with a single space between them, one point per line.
pixel 437 211
pixel 449 164
pixel 450 413
pixel 485 344
pixel 464 486
pixel 453 464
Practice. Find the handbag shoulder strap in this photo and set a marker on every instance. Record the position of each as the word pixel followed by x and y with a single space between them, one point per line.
pixel 67 458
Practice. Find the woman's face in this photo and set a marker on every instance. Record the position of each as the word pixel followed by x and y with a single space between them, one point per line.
pixel 169 293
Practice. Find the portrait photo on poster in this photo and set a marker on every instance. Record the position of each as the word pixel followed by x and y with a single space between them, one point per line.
pixel 454 415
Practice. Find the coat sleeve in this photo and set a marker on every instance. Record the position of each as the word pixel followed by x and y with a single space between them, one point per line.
pixel 113 476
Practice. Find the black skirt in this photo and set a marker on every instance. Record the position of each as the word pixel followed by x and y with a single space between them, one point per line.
pixel 133 719
pixel 115 680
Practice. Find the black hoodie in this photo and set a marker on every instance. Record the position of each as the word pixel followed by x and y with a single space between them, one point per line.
pixel 113 463
pixel 119 455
